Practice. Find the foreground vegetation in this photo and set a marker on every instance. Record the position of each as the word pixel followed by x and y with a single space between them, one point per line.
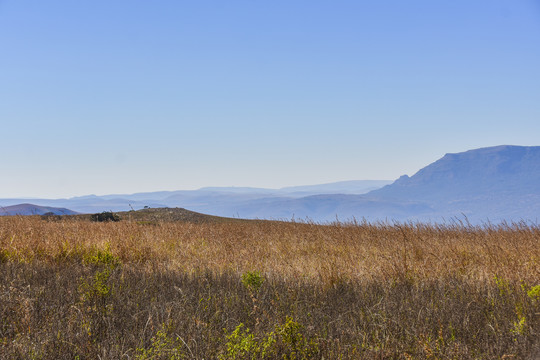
pixel 75 289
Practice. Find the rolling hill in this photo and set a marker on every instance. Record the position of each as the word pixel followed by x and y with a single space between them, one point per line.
pixel 30 209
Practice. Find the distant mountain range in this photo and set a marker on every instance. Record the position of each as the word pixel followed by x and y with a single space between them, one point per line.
pixel 212 200
pixel 493 184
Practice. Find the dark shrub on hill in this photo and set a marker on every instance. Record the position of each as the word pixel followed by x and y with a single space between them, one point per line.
pixel 105 216
pixel 50 216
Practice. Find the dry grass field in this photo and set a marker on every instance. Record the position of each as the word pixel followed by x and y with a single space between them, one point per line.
pixel 134 289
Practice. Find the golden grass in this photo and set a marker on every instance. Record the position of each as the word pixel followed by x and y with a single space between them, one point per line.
pixel 162 290
pixel 288 250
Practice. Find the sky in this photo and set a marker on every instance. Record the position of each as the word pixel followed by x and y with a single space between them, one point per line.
pixel 124 96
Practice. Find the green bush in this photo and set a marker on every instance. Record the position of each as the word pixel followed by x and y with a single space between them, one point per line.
pixel 252 280
pixel 295 344
pixel 287 342
pixel 102 258
pixel 162 346
pixel 534 292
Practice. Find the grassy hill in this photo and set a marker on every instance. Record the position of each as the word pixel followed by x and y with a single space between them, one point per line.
pixel 156 215
pixel 172 214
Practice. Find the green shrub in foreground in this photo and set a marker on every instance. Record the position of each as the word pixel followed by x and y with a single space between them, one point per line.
pixel 287 341
pixel 252 280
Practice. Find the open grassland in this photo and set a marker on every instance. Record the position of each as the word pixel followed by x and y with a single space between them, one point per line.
pixel 74 289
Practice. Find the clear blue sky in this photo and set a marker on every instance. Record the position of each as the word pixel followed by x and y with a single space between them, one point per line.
pixel 122 96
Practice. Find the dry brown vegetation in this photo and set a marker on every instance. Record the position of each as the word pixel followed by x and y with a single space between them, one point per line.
pixel 263 290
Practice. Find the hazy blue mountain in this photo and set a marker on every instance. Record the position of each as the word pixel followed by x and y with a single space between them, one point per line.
pixel 237 190
pixel 324 208
pixel 248 202
pixel 214 200
pixel 31 209
pixel 355 187
pixel 510 170
pixel 342 187
pixel 489 184
pixel 496 183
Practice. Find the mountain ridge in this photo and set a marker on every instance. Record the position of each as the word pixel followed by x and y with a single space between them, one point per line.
pixel 499 183
pixel 504 168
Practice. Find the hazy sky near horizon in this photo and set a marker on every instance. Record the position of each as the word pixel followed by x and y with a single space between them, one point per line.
pixel 123 96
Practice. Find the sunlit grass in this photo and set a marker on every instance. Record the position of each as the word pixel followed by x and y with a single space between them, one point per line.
pixel 78 288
